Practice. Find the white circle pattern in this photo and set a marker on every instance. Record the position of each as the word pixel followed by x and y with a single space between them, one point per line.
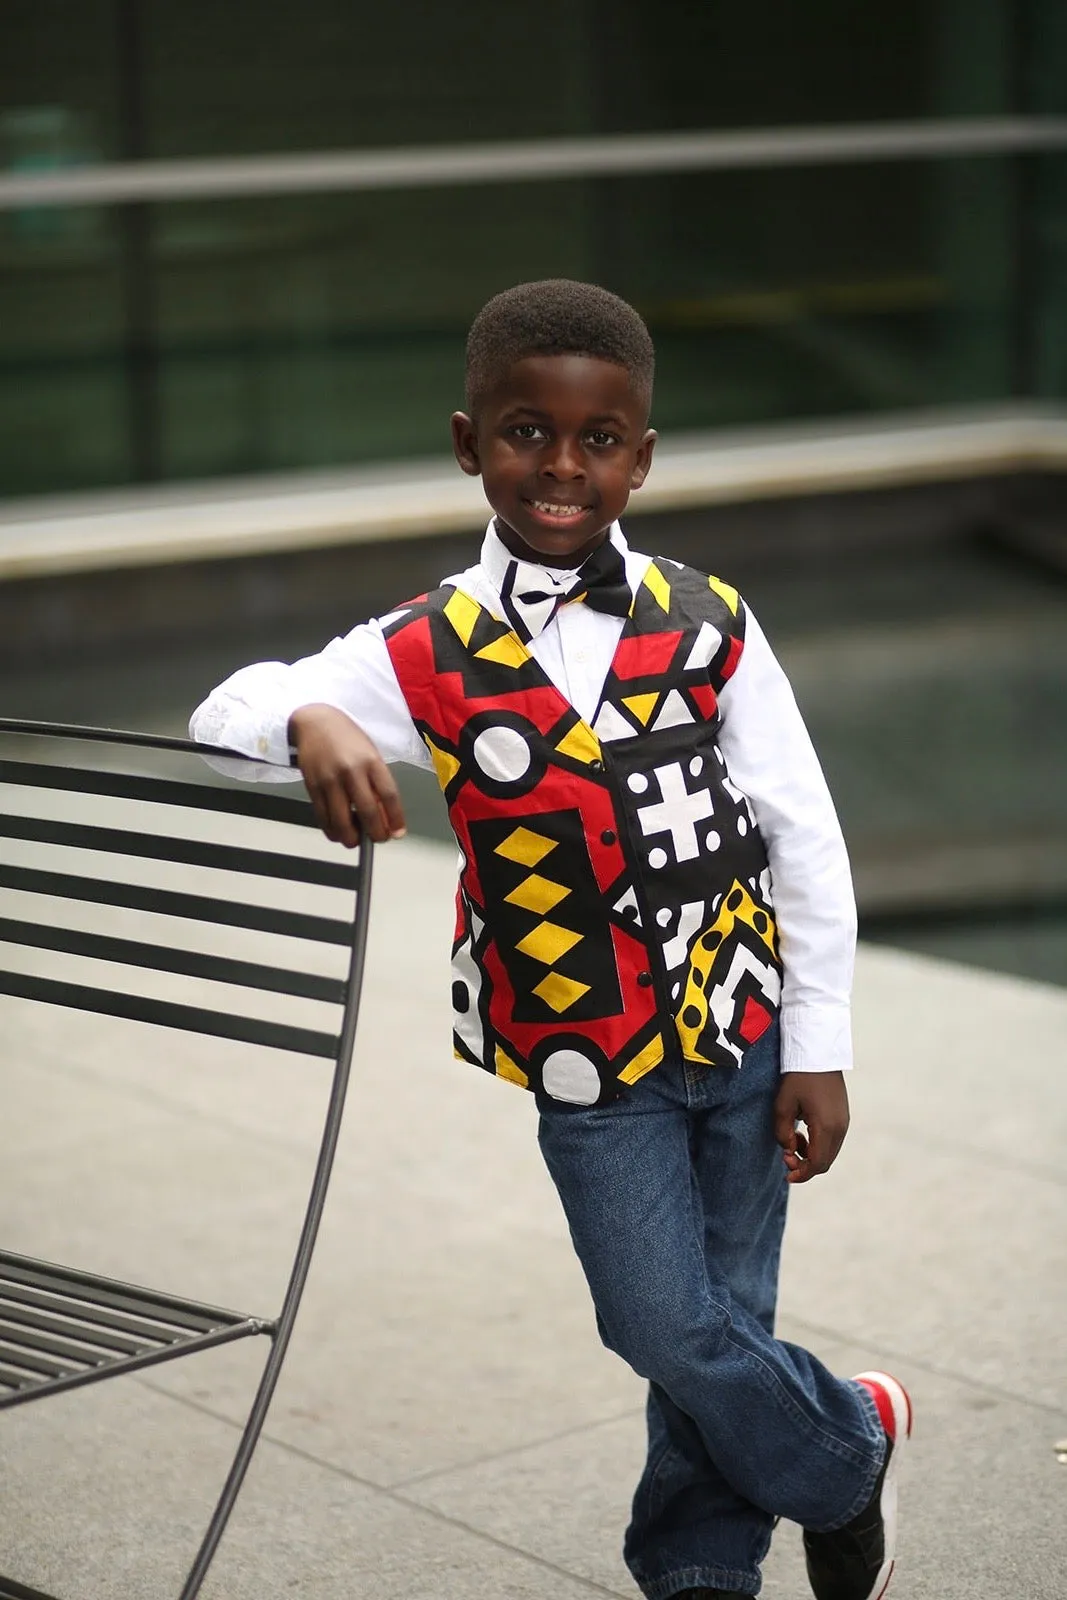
pixel 663 916
pixel 637 782
pixel 742 826
pixel 713 841
pixel 568 1075
pixel 696 766
pixel 502 754
pixel 657 858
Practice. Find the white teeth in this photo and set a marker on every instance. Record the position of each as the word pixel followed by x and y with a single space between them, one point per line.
pixel 551 509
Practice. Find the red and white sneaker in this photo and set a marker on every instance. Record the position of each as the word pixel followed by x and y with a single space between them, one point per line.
pixel 856 1562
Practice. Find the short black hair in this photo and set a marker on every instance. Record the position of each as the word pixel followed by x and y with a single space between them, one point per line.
pixel 556 316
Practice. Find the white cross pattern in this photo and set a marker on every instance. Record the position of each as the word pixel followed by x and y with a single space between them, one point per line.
pixel 677 813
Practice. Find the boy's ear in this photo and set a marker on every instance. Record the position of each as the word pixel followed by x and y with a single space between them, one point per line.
pixel 465 444
pixel 643 460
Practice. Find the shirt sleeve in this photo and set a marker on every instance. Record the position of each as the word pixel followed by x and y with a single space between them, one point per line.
pixel 770 757
pixel 250 712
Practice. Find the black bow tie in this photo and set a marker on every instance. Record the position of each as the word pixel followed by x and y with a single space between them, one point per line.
pixel 600 584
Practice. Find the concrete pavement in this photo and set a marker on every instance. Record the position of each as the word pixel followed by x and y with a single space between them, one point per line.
pixel 448 1426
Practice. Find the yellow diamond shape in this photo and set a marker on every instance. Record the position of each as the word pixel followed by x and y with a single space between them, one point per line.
pixel 560 992
pixel 726 592
pixel 525 847
pixel 537 894
pixel 463 612
pixel 658 586
pixel 641 705
pixel 507 651
pixel 548 943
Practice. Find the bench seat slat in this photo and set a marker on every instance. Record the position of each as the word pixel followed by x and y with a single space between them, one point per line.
pixel 73 1284
pixel 13 1316
pixel 15 1335
pixel 89 1313
pixel 37 1365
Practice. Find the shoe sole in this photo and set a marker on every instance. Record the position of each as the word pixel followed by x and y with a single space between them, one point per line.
pixel 902 1418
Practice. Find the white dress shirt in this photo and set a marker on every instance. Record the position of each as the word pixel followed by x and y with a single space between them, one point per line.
pixel 763 739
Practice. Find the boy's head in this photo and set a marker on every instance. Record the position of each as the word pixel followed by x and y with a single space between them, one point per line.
pixel 559 385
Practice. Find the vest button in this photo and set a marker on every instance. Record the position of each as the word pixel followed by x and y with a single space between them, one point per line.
pixel 596 766
pixel 644 979
pixel 609 836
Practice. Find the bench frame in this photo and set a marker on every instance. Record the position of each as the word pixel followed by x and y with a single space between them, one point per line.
pixel 121 1327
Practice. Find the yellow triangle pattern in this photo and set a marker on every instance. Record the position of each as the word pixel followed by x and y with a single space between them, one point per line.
pixel 644 1060
pixel 581 744
pixel 525 847
pixel 726 592
pixel 658 587
pixel 641 705
pixel 462 612
pixel 560 992
pixel 507 651
pixel 506 1068
pixel 446 766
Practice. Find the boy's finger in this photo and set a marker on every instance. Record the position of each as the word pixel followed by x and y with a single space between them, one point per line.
pixel 388 794
pixel 364 802
pixel 344 825
pixel 321 808
pixel 785 1127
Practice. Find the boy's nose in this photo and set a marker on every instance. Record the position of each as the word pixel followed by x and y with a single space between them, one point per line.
pixel 565 461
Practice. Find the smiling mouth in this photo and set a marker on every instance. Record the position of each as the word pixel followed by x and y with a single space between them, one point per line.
pixel 557 510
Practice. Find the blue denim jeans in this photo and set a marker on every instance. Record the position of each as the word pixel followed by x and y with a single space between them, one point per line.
pixel 676 1199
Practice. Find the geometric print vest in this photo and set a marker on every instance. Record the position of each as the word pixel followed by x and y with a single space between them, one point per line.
pixel 614 899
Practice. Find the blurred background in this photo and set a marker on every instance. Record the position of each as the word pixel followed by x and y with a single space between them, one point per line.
pixel 240 246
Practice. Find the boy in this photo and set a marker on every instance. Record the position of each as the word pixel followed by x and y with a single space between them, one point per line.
pixel 654 894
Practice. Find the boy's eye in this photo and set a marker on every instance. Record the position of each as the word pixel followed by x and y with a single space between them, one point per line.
pixel 527 430
pixel 601 438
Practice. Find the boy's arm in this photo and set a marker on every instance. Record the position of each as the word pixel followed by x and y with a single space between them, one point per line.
pixel 771 759
pixel 344 716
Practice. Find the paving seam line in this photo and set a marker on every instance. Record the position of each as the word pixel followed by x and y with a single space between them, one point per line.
pixel 389 1493
pixel 882 1352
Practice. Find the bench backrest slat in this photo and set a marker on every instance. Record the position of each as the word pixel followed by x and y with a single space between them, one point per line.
pixel 169 1014
pixel 165 791
pixel 168 902
pixel 188 852
pixel 167 958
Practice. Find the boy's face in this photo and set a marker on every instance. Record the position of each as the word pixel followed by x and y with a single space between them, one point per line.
pixel 559 443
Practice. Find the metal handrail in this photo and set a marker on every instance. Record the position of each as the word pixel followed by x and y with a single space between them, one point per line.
pixel 533 160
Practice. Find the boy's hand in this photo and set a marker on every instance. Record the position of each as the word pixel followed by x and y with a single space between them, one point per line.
pixel 345 774
pixel 820 1101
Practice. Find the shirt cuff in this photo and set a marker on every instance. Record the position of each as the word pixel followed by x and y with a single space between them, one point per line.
pixel 266 739
pixel 816 1038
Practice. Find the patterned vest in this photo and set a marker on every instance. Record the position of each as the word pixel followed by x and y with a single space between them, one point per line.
pixel 614 896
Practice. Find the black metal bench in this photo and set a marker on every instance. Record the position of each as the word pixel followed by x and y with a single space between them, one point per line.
pixel 60 1327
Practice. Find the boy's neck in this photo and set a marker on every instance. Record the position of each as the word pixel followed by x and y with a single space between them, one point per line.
pixel 569 561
